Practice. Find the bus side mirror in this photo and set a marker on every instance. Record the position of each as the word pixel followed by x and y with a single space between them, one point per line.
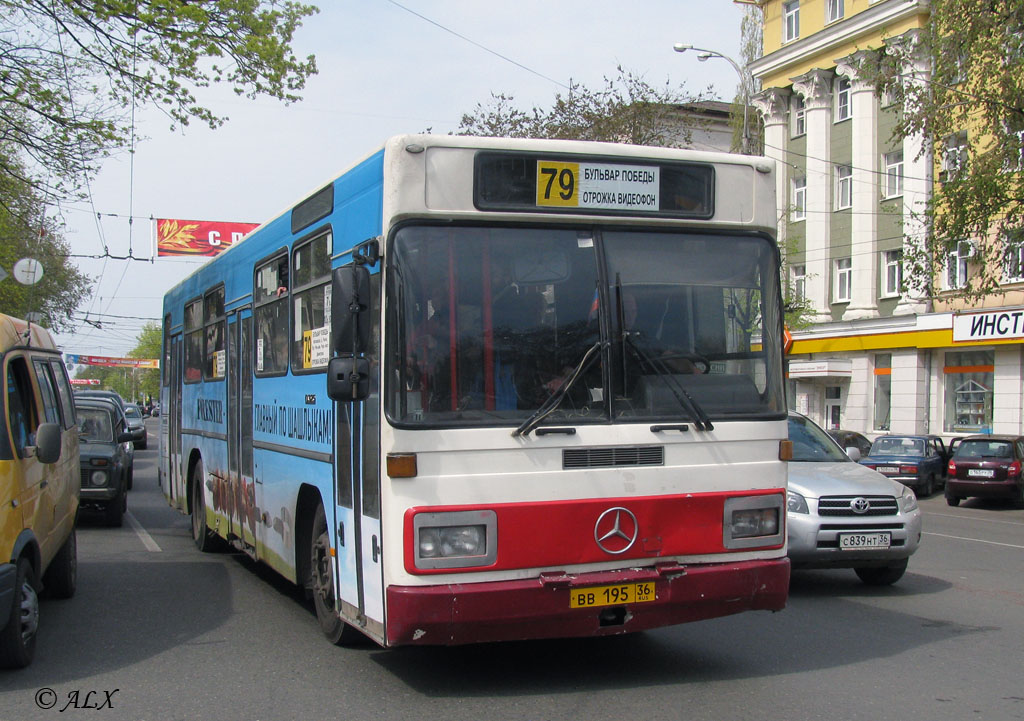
pixel 348 379
pixel 350 311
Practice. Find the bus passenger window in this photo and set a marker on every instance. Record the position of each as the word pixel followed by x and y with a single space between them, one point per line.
pixel 271 312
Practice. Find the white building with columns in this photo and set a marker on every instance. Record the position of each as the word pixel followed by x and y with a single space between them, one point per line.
pixel 877 358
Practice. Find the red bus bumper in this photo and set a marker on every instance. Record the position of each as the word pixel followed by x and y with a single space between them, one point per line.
pixel 461 613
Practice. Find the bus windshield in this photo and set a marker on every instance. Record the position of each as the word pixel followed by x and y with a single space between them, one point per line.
pixel 487 323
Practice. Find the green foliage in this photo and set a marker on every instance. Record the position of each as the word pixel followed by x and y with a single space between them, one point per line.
pixel 26 233
pixel 132 383
pixel 72 70
pixel 975 52
pixel 627 109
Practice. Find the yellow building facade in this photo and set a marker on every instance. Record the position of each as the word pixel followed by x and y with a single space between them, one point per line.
pixel 851 197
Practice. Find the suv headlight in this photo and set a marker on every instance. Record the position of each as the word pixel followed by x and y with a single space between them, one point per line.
pixel 795 503
pixel 908 500
pixel 98 478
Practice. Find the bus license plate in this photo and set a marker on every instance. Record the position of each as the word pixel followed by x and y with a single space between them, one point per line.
pixel 981 472
pixel 857 541
pixel 611 595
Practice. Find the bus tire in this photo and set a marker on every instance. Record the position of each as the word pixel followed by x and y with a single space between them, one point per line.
pixel 61 578
pixel 18 637
pixel 321 582
pixel 205 539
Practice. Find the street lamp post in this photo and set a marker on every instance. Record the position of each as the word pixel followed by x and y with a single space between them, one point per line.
pixel 704 55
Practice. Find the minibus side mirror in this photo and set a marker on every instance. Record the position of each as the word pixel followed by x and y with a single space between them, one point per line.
pixel 350 309
pixel 48 442
pixel 348 379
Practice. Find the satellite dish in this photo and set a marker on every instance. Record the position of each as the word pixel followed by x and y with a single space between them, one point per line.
pixel 28 271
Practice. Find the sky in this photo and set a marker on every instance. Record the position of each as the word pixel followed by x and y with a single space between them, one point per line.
pixel 386 67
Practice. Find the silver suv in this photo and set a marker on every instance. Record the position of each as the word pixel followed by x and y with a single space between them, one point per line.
pixel 841 514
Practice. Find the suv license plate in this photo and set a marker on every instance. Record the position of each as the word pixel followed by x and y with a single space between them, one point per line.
pixel 611 595
pixel 857 541
pixel 981 472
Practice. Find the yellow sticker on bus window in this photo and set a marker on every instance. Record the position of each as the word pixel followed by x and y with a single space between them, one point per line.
pixel 557 184
pixel 307 349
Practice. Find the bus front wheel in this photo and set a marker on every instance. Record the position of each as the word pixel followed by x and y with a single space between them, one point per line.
pixel 321 583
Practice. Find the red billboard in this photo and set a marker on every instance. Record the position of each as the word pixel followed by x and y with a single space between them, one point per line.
pixel 175 237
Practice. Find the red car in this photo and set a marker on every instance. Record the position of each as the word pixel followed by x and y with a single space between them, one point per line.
pixel 986 467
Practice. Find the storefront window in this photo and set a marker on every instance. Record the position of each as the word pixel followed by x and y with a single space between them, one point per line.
pixel 968 392
pixel 883 391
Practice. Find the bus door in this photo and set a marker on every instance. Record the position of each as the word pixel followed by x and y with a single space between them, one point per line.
pixel 175 484
pixel 357 495
pixel 239 378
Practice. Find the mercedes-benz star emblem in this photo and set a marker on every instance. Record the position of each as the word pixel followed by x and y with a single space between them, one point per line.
pixel 860 505
pixel 616 530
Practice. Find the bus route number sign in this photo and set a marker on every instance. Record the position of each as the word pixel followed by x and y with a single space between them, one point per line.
pixel 611 595
pixel 603 186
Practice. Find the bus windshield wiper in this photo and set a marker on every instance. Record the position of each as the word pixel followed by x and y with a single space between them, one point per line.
pixel 700 418
pixel 551 404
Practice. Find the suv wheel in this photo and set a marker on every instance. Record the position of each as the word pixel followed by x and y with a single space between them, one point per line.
pixel 952 501
pixel 882 575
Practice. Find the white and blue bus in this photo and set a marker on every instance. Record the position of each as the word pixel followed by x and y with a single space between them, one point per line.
pixel 479 389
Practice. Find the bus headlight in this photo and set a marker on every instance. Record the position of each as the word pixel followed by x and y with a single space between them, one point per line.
pixel 452 541
pixel 753 521
pixel 458 539
pixel 98 478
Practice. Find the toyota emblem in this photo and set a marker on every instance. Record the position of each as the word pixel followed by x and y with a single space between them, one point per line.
pixel 616 530
pixel 860 505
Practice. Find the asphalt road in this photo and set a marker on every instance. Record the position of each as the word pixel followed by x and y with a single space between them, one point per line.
pixel 158 630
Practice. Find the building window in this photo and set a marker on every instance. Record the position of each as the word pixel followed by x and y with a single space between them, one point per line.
pixel 798 113
pixel 893 268
pixel 790 21
pixel 844 186
pixel 799 198
pixel 954 157
pixel 883 391
pixel 799 275
pixel 956 265
pixel 893 174
pixel 968 391
pixel 843 110
pixel 1013 256
pixel 833 408
pixel 844 276
pixel 833 10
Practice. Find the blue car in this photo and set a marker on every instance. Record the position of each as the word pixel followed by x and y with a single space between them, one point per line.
pixel 915 461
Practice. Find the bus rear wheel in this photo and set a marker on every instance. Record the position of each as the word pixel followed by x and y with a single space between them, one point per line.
pixel 321 582
pixel 205 539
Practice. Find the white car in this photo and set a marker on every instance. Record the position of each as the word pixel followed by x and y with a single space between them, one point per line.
pixel 841 514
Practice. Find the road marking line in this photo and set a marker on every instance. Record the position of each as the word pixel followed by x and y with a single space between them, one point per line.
pixel 142 533
pixel 976 540
pixel 974 518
